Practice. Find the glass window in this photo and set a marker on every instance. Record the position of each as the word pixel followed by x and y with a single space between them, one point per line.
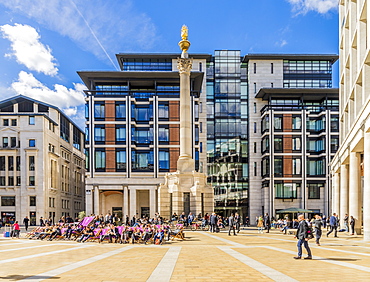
pixel 164 160
pixel 296 166
pixel 163 134
pixel 278 122
pixel 32 201
pixel 278 144
pixel 18 163
pixel 120 110
pixel 120 134
pixel 8 201
pixel 99 133
pixel 296 122
pixel 18 179
pixel 121 160
pixel 99 110
pixel 162 111
pixel 31 180
pixel 31 163
pixel 278 166
pixel 5 142
pixel 5 122
pixel 142 161
pixel 296 143
pixel 142 135
pixel 14 122
pixel 31 120
pixel 2 163
pixel 99 160
pixel 10 163
pixel 32 143
pixel 13 142
pixel 314 190
pixel 11 181
pixel 142 113
pixel 286 190
pixel 2 181
pixel 87 111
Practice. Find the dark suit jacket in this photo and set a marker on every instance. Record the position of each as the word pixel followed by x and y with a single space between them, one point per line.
pixel 231 221
pixel 213 219
pixel 302 230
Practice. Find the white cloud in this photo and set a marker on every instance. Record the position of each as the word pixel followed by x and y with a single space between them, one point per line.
pixel 281 43
pixel 28 50
pixel 67 99
pixel 320 6
pixel 118 26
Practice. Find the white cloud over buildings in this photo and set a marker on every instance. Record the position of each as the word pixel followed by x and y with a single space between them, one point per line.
pixel 320 6
pixel 28 50
pixel 67 99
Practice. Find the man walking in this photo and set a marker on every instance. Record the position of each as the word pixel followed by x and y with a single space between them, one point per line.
pixel 213 221
pixel 26 221
pixel 333 222
pixel 318 223
pixel 237 222
pixel 231 224
pixel 302 236
pixel 267 222
pixel 346 222
pixel 42 222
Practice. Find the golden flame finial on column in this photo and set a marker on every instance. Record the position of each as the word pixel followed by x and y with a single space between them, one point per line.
pixel 184 43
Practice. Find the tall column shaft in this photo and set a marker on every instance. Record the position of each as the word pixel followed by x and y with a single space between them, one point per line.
pixel 96 201
pixel 125 202
pixel 343 192
pixel 336 194
pixel 366 196
pixel 132 202
pixel 355 191
pixel 185 162
pixel 152 208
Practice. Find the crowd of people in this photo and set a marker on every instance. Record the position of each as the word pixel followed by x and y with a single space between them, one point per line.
pixel 109 228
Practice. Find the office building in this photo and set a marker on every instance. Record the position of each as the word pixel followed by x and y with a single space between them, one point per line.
pixel 42 162
pixel 350 166
pixel 132 131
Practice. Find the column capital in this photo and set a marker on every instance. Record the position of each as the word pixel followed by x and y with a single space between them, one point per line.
pixel 184 65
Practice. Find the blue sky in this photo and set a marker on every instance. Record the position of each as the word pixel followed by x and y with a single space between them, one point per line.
pixel 43 43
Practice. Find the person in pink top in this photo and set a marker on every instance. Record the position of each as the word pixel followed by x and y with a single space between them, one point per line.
pixel 16 229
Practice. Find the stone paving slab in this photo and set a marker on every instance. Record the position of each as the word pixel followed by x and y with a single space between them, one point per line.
pixel 249 256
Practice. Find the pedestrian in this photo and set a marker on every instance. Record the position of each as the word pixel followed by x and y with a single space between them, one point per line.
pixel 352 224
pixel 213 221
pixel 267 222
pixel 324 221
pixel 345 220
pixel 318 224
pixel 42 222
pixel 260 224
pixel 302 236
pixel 237 222
pixel 26 221
pixel 16 230
pixel 333 221
pixel 232 224
pixel 247 222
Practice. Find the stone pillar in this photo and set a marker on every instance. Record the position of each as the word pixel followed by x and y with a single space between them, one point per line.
pixel 103 207
pixel 125 201
pixel 343 192
pixel 185 162
pixel 152 205
pixel 336 194
pixel 89 200
pixel 132 202
pixel 366 195
pixel 96 200
pixel 355 191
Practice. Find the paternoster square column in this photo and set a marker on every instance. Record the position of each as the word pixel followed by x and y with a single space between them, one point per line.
pixel 185 162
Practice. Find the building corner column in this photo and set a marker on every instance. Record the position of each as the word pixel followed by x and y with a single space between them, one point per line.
pixel 96 200
pixel 366 195
pixel 125 202
pixel 132 201
pixel 355 191
pixel 336 194
pixel 152 202
pixel 343 192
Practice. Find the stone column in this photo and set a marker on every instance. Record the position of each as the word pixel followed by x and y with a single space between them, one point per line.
pixel 185 162
pixel 125 202
pixel 96 200
pixel 366 195
pixel 343 192
pixel 103 207
pixel 152 205
pixel 132 202
pixel 355 191
pixel 89 199
pixel 336 194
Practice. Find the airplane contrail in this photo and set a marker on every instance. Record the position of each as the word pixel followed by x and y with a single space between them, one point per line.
pixel 92 32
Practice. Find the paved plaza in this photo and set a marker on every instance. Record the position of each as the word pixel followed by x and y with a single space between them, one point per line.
pixel 202 256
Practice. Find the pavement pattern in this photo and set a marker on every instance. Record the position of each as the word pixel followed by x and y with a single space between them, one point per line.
pixel 203 256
